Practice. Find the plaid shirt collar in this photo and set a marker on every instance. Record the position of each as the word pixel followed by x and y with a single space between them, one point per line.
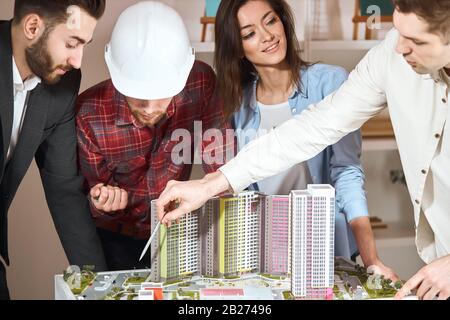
pixel 125 117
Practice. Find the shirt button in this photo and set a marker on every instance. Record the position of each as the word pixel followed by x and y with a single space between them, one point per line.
pixel 424 171
pixel 294 110
pixel 437 135
pixel 417 201
pixel 444 100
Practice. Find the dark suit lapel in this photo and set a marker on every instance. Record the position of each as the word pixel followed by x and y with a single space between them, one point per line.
pixel 6 86
pixel 35 118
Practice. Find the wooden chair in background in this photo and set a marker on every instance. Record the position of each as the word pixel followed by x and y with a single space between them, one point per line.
pixel 205 21
pixel 209 16
pixel 362 15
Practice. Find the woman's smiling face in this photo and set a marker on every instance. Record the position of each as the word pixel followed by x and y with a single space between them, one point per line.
pixel 263 35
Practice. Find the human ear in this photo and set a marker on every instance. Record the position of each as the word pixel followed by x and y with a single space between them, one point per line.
pixel 33 26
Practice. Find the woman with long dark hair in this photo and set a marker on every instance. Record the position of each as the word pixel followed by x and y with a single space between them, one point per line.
pixel 264 82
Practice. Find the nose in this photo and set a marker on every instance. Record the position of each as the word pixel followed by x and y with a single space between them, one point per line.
pixel 76 58
pixel 149 106
pixel 402 46
pixel 267 35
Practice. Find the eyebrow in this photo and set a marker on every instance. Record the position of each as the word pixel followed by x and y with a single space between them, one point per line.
pixel 415 39
pixel 80 40
pixel 249 25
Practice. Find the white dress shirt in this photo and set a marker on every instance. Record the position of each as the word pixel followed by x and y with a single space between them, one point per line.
pixel 436 199
pixel 418 105
pixel 21 94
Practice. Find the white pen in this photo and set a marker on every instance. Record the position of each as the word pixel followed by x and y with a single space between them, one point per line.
pixel 155 231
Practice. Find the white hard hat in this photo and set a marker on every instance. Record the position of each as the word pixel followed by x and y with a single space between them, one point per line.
pixel 149 56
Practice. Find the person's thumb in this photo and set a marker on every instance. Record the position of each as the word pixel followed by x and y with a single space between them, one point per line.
pixel 175 214
pixel 96 190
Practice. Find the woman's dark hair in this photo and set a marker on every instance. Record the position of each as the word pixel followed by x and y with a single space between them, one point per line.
pixel 56 11
pixel 234 71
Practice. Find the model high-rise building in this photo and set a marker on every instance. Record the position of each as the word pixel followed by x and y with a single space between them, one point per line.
pixel 175 251
pixel 276 238
pixel 209 237
pixel 230 234
pixel 239 234
pixel 220 239
pixel 313 213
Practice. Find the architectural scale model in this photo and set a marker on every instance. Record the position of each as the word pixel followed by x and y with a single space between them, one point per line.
pixel 248 247
pixel 352 282
pixel 289 236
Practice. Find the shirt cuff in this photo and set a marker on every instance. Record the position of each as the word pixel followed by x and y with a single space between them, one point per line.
pixel 356 209
pixel 238 178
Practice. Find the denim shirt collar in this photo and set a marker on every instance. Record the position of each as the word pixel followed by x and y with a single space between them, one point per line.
pixel 250 98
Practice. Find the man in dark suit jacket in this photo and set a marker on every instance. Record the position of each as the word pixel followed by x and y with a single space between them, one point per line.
pixel 40 54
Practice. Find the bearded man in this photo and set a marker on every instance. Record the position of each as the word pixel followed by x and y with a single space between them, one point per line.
pixel 41 50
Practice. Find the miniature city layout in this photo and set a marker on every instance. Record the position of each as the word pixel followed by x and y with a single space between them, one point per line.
pixel 351 282
pixel 248 246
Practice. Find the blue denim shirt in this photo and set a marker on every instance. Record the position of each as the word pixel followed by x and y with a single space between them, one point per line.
pixel 339 164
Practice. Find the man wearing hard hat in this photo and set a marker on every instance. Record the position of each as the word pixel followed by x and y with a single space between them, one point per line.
pixel 129 127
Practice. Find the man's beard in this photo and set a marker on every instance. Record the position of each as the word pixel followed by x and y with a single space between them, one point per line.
pixel 155 118
pixel 40 61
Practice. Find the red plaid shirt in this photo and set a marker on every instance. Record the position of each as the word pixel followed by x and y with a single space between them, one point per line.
pixel 115 150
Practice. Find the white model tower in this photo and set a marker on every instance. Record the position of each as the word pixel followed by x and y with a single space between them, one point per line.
pixel 313 212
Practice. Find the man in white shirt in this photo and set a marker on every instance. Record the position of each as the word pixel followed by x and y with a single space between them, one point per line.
pixel 408 71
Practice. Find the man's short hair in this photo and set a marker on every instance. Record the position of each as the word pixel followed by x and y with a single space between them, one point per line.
pixel 435 12
pixel 55 11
